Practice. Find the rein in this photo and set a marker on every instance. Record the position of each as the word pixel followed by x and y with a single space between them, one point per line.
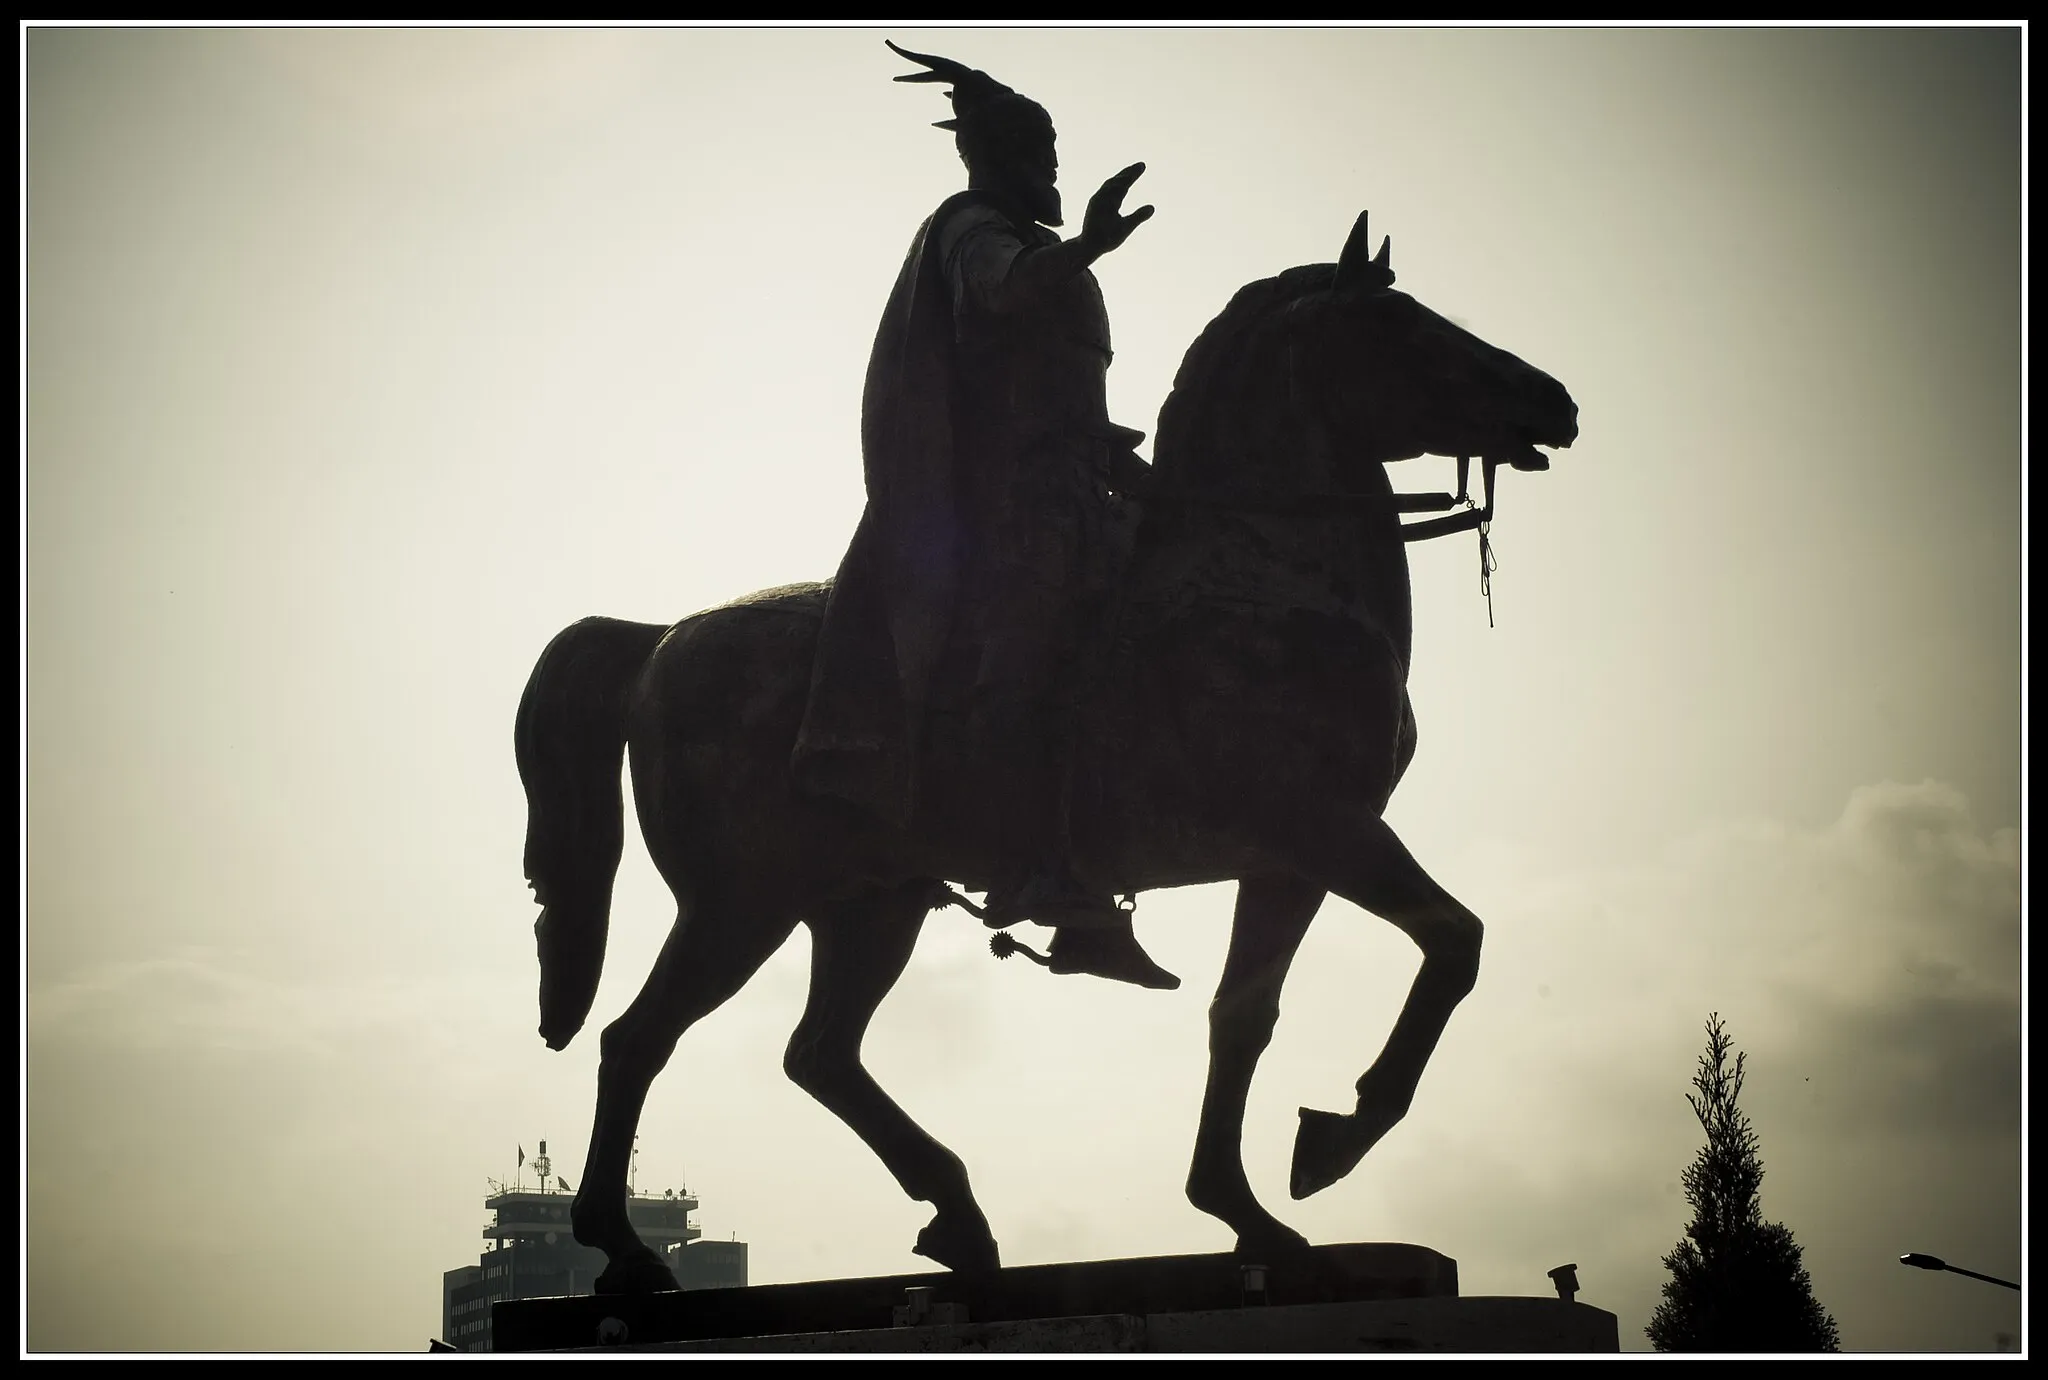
pixel 1476 517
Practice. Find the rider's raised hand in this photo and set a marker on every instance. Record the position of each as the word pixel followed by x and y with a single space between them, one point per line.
pixel 1105 226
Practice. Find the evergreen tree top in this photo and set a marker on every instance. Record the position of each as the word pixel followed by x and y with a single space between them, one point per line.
pixel 1736 1283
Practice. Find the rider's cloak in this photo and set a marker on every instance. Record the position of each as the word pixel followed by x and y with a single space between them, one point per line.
pixel 894 598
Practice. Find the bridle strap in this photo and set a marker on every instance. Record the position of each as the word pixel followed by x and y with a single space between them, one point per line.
pixel 1475 517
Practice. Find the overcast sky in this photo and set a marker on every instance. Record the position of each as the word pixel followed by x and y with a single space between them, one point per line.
pixel 360 362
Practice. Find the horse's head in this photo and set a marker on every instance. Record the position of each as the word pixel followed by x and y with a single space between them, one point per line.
pixel 1389 379
pixel 1308 375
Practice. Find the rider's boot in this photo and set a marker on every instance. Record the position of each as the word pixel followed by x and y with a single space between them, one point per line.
pixel 1036 742
pixel 1109 951
pixel 1091 933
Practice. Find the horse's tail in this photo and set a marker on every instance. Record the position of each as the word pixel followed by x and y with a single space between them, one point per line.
pixel 570 737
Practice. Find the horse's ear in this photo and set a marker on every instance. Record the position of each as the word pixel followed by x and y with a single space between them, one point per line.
pixel 1358 269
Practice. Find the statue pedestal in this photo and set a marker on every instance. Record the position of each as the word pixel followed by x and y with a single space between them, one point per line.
pixel 1330 1299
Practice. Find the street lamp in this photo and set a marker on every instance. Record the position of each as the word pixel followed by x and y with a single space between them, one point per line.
pixel 1935 1262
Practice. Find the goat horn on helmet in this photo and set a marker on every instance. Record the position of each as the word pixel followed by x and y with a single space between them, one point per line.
pixel 978 98
pixel 943 69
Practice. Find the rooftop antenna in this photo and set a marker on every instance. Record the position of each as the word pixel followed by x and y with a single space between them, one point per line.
pixel 541 1166
pixel 633 1167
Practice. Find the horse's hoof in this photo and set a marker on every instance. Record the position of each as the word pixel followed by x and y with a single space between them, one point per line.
pixel 637 1272
pixel 966 1250
pixel 1326 1148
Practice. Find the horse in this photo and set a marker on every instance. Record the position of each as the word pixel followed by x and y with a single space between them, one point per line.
pixel 1249 724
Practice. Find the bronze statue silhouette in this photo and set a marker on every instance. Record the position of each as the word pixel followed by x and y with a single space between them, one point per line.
pixel 1245 719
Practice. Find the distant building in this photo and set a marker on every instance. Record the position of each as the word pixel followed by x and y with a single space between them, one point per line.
pixel 533 1255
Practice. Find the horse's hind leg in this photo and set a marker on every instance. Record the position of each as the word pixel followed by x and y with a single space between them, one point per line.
pixel 1371 868
pixel 858 951
pixel 1273 913
pixel 715 947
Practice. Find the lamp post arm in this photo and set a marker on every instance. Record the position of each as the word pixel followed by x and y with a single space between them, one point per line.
pixel 1935 1262
pixel 1988 1279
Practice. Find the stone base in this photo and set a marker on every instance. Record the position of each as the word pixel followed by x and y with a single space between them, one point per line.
pixel 1344 1298
pixel 1519 1326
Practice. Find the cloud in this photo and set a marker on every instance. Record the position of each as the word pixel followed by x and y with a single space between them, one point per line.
pixel 1869 969
pixel 190 1118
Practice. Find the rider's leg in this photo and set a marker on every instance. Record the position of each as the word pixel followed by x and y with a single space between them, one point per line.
pixel 1027 726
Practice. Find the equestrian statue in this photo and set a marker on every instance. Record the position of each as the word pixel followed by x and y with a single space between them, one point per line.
pixel 1048 671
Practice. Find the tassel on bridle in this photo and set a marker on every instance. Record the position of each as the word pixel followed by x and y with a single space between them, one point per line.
pixel 1476 517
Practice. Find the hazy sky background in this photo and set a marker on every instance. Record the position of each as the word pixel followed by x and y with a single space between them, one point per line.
pixel 361 362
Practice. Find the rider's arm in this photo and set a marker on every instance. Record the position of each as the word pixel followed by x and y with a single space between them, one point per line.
pixel 986 255
pixel 1041 268
pixel 992 268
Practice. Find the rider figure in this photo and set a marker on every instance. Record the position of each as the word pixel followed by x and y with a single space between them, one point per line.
pixel 994 478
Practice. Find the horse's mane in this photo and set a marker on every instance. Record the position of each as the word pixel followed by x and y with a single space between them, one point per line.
pixel 1231 391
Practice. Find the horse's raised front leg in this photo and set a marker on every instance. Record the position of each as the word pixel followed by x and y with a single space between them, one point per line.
pixel 713 950
pixel 858 951
pixel 1375 871
pixel 1273 914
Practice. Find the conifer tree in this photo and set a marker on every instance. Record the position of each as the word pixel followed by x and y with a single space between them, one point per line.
pixel 1736 1280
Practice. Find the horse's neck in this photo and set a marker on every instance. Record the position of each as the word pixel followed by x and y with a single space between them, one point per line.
pixel 1267 455
pixel 1310 513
